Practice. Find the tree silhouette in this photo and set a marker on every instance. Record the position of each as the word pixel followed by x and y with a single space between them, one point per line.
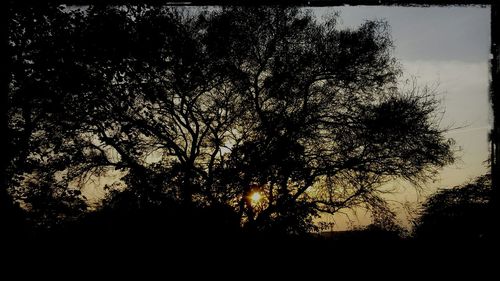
pixel 459 213
pixel 203 108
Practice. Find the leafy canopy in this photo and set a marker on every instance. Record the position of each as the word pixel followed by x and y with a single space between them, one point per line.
pixel 205 108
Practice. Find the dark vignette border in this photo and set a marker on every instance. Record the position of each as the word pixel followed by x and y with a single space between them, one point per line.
pixel 8 210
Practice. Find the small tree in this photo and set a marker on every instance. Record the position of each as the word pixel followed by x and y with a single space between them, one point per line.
pixel 459 213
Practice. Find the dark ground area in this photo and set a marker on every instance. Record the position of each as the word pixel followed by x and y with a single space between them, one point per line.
pixel 196 252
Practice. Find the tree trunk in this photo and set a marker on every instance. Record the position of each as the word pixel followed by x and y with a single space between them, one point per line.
pixel 187 187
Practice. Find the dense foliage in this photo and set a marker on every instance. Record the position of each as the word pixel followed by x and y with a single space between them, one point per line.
pixel 203 109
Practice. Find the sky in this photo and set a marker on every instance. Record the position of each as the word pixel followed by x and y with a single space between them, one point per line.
pixel 447 48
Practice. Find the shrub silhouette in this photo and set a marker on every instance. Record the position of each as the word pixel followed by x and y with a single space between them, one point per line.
pixel 459 213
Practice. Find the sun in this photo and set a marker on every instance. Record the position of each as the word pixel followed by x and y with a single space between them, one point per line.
pixel 255 198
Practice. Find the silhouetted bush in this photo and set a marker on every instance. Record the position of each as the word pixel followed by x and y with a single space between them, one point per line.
pixel 460 213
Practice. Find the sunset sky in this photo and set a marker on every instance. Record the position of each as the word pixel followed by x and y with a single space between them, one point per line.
pixel 448 47
pixel 443 47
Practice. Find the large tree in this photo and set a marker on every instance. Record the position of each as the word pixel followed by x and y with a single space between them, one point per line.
pixel 209 108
